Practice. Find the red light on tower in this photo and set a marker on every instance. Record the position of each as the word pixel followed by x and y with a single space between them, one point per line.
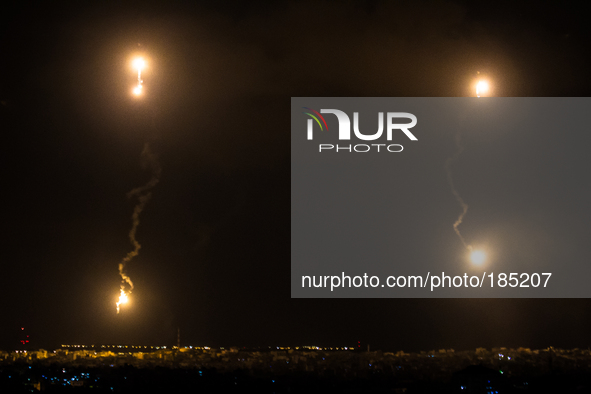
pixel 25 339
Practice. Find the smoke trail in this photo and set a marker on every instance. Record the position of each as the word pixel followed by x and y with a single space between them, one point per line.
pixel 143 193
pixel 463 205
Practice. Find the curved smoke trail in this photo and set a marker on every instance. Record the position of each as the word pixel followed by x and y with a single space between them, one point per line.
pixel 463 205
pixel 143 193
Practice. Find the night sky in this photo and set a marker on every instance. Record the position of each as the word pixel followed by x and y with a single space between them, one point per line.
pixel 215 257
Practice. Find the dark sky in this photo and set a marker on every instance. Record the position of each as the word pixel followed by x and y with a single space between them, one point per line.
pixel 216 234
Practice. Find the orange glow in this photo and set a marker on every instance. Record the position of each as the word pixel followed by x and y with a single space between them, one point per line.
pixel 481 88
pixel 123 299
pixel 477 257
pixel 139 63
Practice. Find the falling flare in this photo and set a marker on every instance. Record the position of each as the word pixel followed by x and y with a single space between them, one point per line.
pixel 477 256
pixel 456 194
pixel 143 194
pixel 122 299
pixel 139 64
pixel 481 88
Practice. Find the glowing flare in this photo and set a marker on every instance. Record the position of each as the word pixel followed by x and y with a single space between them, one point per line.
pixel 477 257
pixel 122 299
pixel 481 88
pixel 139 63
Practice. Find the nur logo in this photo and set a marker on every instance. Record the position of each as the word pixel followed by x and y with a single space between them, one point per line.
pixel 345 129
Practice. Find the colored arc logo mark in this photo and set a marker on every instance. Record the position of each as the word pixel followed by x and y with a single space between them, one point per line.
pixel 316 119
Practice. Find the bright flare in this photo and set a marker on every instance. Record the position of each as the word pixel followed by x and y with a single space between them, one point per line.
pixel 139 63
pixel 122 299
pixel 477 257
pixel 481 88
